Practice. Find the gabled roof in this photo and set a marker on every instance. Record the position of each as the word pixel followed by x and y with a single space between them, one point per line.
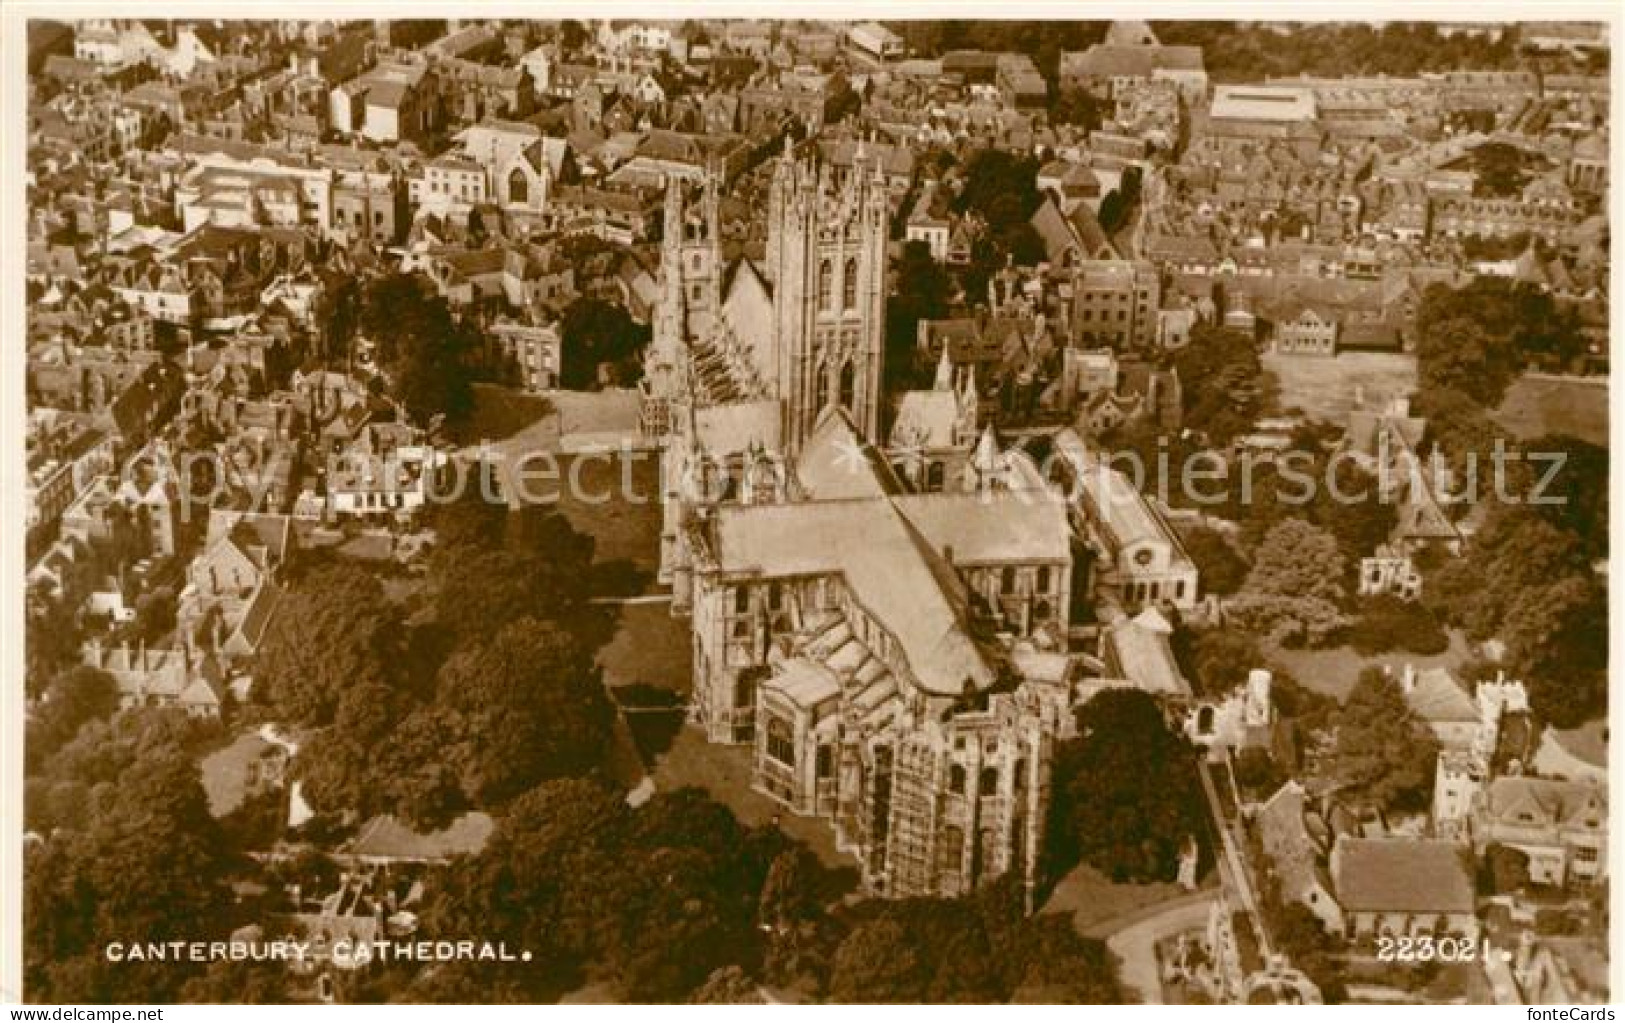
pixel 1138 650
pixel 1438 698
pixel 1551 802
pixel 853 527
pixel 1293 850
pixel 926 419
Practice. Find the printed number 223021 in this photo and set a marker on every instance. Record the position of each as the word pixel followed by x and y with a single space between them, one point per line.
pixel 1426 948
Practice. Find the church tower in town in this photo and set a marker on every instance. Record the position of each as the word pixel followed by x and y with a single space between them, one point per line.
pixel 826 260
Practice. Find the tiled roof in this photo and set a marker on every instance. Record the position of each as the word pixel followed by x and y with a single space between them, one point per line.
pixel 1438 697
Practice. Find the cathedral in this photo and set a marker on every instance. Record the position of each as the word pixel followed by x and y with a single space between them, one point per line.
pixel 804 331
pixel 892 626
pixel 884 624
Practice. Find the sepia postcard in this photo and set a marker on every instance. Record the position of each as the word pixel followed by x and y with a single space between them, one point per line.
pixel 801 510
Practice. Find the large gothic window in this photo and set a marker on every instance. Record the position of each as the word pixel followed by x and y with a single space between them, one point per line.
pixel 826 274
pixel 821 374
pixel 518 186
pixel 848 386
pixel 781 744
pixel 849 285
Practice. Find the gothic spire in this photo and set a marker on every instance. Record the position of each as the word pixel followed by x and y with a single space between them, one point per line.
pixel 945 370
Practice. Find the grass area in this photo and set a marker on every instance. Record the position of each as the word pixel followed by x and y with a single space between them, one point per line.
pixel 649 648
pixel 1333 671
pixel 1535 406
pixel 615 499
pixel 724 773
pixel 1326 389
pixel 1101 906
pixel 500 413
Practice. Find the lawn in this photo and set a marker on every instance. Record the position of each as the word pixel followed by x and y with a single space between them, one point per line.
pixel 1100 906
pixel 615 499
pixel 1333 671
pixel 1537 405
pixel 500 413
pixel 649 648
pixel 1326 389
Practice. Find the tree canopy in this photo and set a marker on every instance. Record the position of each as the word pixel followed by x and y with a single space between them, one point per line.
pixel 1295 589
pixel 1478 338
pixel 74 698
pixel 466 707
pixel 599 341
pixel 346 635
pixel 149 864
pixel 422 347
pixel 1125 792
pixel 1219 567
pixel 653 900
pixel 1383 757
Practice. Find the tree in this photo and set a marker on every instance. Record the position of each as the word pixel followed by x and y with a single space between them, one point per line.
pixel 1513 552
pixel 878 962
pixel 540 566
pixel 841 100
pixel 1458 353
pixel 598 337
pixel 150 863
pixel 421 345
pixel 75 697
pixel 1476 339
pixel 1053 964
pixel 1220 568
pixel 1576 500
pixel 730 985
pixel 572 36
pixel 917 950
pixel 431 380
pixel 342 317
pixel 545 882
pixel 1113 211
pixel 1347 505
pixel 1505 870
pixel 1220 659
pixel 1077 107
pixel 346 635
pixel 981 948
pixel 1500 170
pixel 1387 623
pixel 999 186
pixel 1295 587
pixel 1308 945
pixel 53 637
pixel 656 899
pixel 1256 772
pixel 922 294
pixel 1126 796
pixel 1557 642
pixel 1228 402
pixel 1382 756
pixel 248 982
pixel 531 704
pixel 1297 559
